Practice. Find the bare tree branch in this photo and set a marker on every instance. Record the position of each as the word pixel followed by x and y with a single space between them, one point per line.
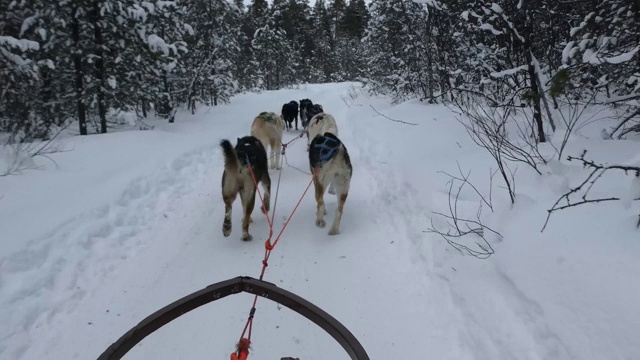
pixel 597 171
pixel 383 115
pixel 461 227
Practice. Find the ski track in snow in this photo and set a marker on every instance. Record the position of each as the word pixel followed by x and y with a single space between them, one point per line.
pixel 95 276
pixel 48 282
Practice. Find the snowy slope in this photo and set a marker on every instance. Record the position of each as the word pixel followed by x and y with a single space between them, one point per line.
pixel 131 221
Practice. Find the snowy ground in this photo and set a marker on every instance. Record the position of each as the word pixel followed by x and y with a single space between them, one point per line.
pixel 131 221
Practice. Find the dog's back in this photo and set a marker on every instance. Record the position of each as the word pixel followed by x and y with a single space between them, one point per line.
pixel 290 110
pixel 314 110
pixel 248 148
pixel 268 128
pixel 327 151
pixel 320 124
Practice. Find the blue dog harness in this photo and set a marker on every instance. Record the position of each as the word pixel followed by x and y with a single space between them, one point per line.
pixel 327 148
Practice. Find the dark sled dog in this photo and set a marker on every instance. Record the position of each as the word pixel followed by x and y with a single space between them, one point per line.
pixel 305 105
pixel 329 159
pixel 314 110
pixel 237 178
pixel 290 113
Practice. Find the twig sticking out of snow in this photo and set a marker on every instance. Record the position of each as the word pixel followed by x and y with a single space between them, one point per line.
pixel 383 115
pixel 461 227
pixel 585 187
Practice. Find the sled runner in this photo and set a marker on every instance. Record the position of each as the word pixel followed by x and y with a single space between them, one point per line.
pixel 233 286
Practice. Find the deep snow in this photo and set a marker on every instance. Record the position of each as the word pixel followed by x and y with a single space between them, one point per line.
pixel 131 221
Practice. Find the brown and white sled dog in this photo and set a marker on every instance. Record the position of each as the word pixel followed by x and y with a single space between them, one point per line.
pixel 268 128
pixel 237 179
pixel 329 154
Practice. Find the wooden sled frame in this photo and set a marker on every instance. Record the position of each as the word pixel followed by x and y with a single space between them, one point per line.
pixel 225 288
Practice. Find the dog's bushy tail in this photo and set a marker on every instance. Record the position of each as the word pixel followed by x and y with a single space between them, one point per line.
pixel 231 163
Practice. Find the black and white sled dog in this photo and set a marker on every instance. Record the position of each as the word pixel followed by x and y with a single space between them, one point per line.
pixel 320 124
pixel 290 113
pixel 329 159
pixel 237 179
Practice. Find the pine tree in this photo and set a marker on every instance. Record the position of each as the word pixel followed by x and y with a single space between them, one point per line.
pixel 399 61
pixel 270 50
pixel 214 47
pixel 18 76
pixel 605 54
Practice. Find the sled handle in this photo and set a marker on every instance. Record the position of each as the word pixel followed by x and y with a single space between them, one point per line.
pixel 223 289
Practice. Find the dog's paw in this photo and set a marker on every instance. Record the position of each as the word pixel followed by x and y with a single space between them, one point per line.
pixel 264 210
pixel 334 231
pixel 226 229
pixel 332 191
pixel 321 223
pixel 247 237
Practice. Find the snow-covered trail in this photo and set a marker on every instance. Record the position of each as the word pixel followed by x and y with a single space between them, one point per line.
pixel 161 239
pixel 80 286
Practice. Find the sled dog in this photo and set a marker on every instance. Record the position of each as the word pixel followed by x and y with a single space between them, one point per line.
pixel 305 105
pixel 290 114
pixel 268 128
pixel 237 179
pixel 329 159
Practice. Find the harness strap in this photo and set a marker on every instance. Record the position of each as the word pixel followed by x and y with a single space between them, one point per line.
pixel 267 117
pixel 327 148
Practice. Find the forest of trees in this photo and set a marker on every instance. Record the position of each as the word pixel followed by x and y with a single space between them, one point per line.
pixel 85 60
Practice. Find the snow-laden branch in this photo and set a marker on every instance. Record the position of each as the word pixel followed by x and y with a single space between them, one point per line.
pixel 596 58
pixel 508 72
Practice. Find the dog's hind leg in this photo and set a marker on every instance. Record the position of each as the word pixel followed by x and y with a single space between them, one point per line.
pixel 228 198
pixel 335 228
pixel 332 186
pixel 243 201
pixel 266 186
pixel 276 146
pixel 343 192
pixel 248 202
pixel 320 203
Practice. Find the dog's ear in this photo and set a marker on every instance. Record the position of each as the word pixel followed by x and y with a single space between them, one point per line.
pixel 238 141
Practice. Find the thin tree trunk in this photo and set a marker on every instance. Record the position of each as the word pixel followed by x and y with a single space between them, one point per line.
pixel 99 43
pixel 533 76
pixel 543 96
pixel 537 110
pixel 77 64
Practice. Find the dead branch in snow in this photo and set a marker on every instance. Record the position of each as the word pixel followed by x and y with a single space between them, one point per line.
pixel 461 227
pixel 597 171
pixel 385 116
